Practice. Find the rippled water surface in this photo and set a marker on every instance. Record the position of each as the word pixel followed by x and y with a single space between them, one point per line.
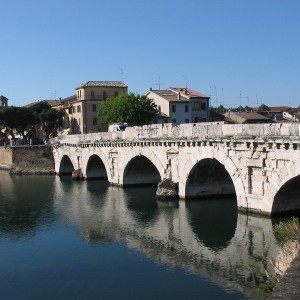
pixel 64 239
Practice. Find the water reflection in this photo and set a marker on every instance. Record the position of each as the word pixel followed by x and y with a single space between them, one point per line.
pixel 213 221
pixel 23 209
pixel 207 238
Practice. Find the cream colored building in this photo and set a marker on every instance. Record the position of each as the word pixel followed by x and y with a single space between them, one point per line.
pixel 3 101
pixel 82 108
pixel 180 105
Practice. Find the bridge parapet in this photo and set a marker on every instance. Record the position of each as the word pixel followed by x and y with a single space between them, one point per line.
pixel 190 131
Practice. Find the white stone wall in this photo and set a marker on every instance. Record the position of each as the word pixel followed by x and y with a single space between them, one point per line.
pixel 260 159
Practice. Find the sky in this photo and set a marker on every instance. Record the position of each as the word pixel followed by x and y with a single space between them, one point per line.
pixel 239 52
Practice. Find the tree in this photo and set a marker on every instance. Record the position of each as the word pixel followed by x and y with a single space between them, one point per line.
pixel 130 108
pixel 16 120
pixel 263 107
pixel 46 116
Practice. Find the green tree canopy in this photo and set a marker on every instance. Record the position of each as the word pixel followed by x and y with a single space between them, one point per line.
pixel 130 108
pixel 22 120
pixel 263 107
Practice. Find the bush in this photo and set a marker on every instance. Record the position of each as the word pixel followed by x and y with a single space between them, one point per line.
pixel 287 230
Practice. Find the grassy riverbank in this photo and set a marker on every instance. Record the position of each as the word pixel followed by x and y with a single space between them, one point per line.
pixel 288 234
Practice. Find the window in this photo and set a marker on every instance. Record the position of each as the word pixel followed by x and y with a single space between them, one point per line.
pixel 79 123
pixel 70 110
pixel 186 108
pixel 196 120
pixel 174 121
pixel 203 106
pixel 78 108
pixel 173 108
pixel 92 95
pixel 159 109
pixel 165 120
pixel 94 121
pixel 154 121
pixel 187 121
pixel 196 106
pixel 94 107
pixel 104 95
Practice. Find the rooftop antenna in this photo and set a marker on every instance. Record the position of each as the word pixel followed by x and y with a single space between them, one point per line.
pixel 257 100
pixel 211 95
pixel 244 97
pixel 186 81
pixel 217 99
pixel 159 83
pixel 122 75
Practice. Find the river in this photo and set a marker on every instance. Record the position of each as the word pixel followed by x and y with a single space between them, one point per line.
pixel 64 239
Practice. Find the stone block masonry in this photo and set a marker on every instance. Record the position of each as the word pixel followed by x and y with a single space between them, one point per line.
pixel 27 159
pixel 261 161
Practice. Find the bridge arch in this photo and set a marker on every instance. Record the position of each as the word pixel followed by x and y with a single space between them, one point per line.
pixel 218 159
pixel 139 171
pixel 207 178
pixel 66 166
pixel 141 167
pixel 95 167
pixel 283 190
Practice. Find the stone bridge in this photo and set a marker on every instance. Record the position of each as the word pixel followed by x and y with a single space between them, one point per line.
pixel 259 163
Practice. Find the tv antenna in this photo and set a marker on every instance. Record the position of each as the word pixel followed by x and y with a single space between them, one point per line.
pixel 159 83
pixel 242 97
pixel 186 81
pixel 121 74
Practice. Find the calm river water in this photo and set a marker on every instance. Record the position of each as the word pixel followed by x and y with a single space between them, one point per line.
pixel 64 239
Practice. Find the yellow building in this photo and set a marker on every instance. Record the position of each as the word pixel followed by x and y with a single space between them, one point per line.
pixel 81 108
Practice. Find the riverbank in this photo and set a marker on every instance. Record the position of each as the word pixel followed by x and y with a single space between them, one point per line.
pixel 288 261
pixel 289 285
pixel 27 160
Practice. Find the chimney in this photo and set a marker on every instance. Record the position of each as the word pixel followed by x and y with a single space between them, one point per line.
pixel 185 91
pixel 151 89
pixel 178 96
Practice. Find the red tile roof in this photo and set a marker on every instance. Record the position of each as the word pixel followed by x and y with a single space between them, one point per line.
pixel 179 94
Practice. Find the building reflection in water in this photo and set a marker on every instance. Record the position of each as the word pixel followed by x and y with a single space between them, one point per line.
pixel 208 238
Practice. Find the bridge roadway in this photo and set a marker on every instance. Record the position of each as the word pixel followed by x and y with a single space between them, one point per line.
pixel 260 163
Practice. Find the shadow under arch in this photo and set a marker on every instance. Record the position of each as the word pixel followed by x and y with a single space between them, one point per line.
pixel 213 221
pixel 287 199
pixel 95 167
pixel 66 166
pixel 140 171
pixel 209 178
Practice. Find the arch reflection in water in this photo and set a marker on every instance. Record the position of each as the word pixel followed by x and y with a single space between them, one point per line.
pixel 242 249
pixel 213 221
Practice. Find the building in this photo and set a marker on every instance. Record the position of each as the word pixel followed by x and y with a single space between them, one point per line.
pixel 180 105
pixel 81 109
pixel 246 117
pixel 3 101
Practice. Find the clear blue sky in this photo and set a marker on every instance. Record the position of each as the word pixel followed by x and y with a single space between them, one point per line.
pixel 217 47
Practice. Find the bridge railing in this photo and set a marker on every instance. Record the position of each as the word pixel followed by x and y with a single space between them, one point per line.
pixel 188 131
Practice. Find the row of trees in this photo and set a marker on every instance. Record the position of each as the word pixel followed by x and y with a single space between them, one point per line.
pixel 221 109
pixel 22 121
